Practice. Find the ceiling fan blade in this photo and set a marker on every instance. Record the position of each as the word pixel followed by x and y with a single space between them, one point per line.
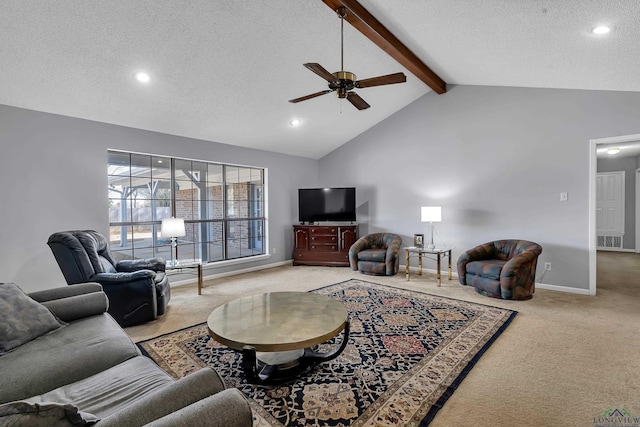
pixel 321 71
pixel 357 102
pixel 313 95
pixel 389 79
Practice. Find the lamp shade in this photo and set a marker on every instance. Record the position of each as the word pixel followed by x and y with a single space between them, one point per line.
pixel 173 227
pixel 431 214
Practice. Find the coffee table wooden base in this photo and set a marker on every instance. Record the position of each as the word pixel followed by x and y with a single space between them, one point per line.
pixel 286 365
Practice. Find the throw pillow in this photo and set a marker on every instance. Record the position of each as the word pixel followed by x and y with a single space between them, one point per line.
pixel 19 414
pixel 22 319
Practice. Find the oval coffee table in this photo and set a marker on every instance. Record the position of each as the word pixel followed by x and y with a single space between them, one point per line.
pixel 275 331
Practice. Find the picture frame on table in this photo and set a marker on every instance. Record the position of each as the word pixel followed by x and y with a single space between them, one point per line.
pixel 418 240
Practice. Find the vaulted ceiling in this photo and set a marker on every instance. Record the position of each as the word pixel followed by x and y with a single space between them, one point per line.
pixel 223 70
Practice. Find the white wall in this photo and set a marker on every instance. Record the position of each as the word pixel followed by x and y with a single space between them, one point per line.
pixel 53 177
pixel 496 160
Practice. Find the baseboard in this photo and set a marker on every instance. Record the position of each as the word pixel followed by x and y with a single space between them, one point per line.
pixel 454 274
pixel 566 289
pixel 230 273
pixel 599 249
pixel 413 270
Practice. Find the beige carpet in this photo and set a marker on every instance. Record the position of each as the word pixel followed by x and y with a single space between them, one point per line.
pixel 564 360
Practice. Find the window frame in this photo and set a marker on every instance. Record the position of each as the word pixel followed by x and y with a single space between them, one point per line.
pixel 220 227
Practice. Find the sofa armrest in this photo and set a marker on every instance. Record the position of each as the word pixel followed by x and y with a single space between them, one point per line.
pixel 65 292
pixel 392 258
pixel 74 302
pixel 519 271
pixel 184 392
pixel 132 296
pixel 518 275
pixel 227 408
pixel 359 245
pixel 79 306
pixel 153 264
pixel 106 279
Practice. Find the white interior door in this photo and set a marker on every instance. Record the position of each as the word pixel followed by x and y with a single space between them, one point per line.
pixel 610 209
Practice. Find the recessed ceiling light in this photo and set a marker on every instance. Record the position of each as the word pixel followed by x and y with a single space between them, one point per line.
pixel 142 77
pixel 601 30
pixel 612 151
pixel 295 122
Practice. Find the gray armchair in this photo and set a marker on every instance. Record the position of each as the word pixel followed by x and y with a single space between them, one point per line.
pixel 138 290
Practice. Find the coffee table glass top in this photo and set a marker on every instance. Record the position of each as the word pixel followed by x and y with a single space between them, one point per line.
pixel 414 249
pixel 277 321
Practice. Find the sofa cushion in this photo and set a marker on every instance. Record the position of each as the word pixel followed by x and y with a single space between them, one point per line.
pixel 97 341
pixel 108 392
pixel 490 268
pixel 485 285
pixel 22 319
pixel 373 268
pixel 47 414
pixel 374 255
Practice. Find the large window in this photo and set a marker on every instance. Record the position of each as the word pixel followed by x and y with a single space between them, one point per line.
pixel 222 205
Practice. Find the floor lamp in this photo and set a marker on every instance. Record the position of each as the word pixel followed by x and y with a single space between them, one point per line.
pixel 431 214
pixel 173 228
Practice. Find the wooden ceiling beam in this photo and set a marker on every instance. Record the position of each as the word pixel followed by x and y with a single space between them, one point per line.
pixel 367 24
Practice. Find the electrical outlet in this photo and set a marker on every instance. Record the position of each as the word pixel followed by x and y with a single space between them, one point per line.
pixel 547 266
pixel 564 197
pixel 274 251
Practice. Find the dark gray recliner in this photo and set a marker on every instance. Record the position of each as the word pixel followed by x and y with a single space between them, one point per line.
pixel 138 290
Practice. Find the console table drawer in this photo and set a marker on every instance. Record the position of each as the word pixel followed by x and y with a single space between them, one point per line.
pixel 315 240
pixel 323 231
pixel 323 248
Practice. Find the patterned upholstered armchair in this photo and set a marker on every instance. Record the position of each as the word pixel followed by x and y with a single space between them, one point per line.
pixel 502 269
pixel 376 254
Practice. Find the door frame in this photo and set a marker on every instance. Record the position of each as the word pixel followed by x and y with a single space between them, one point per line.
pixel 593 170
pixel 637 210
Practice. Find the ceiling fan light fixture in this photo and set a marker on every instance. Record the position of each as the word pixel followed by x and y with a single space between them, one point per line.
pixel 602 29
pixel 142 77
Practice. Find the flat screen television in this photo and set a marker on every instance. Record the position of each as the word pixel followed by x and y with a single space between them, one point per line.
pixel 326 204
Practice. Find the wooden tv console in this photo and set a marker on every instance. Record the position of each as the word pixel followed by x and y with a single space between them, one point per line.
pixel 323 244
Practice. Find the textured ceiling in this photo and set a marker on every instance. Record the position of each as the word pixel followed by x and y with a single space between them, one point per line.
pixel 224 70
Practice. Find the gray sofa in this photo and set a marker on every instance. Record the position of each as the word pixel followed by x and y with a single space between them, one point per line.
pixel 93 365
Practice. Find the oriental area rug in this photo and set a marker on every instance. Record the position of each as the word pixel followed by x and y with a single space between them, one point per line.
pixel 407 353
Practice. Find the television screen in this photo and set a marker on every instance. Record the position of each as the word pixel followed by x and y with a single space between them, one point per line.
pixel 326 204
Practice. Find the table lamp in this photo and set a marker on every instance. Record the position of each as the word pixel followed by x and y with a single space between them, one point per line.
pixel 173 228
pixel 431 214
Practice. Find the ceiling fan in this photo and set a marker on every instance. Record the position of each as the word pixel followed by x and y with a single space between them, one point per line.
pixel 344 81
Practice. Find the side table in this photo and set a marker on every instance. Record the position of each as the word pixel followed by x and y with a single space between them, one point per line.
pixel 420 252
pixel 188 265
